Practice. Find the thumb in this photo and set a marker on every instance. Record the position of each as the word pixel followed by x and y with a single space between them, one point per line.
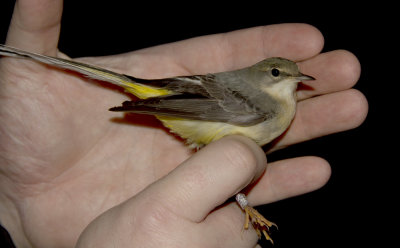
pixel 210 177
pixel 35 26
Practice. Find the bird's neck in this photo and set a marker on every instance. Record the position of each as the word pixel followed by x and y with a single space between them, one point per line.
pixel 287 99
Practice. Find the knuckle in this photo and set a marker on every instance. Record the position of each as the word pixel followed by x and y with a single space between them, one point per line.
pixel 150 216
pixel 240 156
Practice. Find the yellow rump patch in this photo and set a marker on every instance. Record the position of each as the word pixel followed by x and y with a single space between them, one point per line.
pixel 143 91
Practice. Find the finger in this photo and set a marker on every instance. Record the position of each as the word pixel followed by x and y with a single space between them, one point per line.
pixel 245 47
pixel 222 52
pixel 334 71
pixel 323 115
pixel 288 178
pixel 210 177
pixel 35 26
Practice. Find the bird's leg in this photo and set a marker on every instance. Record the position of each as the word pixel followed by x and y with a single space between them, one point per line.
pixel 260 224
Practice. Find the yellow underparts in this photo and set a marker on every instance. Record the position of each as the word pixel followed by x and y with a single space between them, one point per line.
pixel 199 133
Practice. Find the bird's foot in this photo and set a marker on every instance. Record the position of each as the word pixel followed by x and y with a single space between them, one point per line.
pixel 259 222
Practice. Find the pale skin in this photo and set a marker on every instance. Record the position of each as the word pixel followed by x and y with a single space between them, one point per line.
pixel 69 171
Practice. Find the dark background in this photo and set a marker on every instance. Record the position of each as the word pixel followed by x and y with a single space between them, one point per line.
pixel 354 208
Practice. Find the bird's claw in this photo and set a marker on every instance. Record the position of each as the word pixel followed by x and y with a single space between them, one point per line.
pixel 259 222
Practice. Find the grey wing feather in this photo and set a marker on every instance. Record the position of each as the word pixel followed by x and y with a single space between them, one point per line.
pixel 238 94
pixel 196 109
pixel 229 89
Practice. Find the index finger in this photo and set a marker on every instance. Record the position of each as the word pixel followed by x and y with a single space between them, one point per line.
pixel 220 52
pixel 242 48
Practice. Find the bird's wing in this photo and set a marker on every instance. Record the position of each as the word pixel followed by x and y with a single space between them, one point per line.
pixel 191 107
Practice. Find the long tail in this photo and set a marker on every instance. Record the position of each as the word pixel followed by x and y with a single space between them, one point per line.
pixel 140 90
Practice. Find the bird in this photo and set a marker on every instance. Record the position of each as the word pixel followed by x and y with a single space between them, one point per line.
pixel 258 102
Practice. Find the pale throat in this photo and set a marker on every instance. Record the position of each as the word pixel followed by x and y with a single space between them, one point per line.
pixel 284 91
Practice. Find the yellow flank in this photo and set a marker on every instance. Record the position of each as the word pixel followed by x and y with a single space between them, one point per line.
pixel 143 91
pixel 199 133
pixel 196 133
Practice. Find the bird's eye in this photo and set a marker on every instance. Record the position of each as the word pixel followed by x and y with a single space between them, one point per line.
pixel 275 72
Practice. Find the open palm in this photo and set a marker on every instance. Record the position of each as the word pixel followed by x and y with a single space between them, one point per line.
pixel 65 159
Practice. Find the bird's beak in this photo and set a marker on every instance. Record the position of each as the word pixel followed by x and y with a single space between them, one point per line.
pixel 304 77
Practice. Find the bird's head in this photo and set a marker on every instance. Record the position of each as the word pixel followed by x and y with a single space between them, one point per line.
pixel 279 76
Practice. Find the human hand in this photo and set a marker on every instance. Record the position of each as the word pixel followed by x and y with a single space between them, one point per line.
pixel 63 162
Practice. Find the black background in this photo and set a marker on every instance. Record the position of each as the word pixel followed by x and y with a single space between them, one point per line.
pixel 354 208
